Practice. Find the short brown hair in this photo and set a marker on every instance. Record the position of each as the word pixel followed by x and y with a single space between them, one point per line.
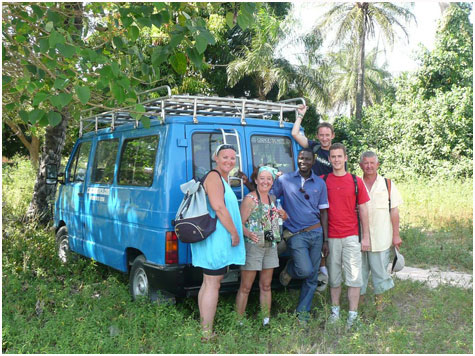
pixel 338 146
pixel 325 124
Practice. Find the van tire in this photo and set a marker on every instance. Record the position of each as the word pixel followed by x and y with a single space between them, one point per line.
pixel 139 285
pixel 63 251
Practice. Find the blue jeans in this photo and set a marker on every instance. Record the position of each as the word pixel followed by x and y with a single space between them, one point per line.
pixel 306 251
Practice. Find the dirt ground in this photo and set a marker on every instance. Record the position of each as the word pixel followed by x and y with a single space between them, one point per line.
pixel 434 277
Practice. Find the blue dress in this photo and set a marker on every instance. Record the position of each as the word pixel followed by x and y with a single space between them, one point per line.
pixel 216 251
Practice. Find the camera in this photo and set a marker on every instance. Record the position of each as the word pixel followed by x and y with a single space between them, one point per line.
pixel 268 235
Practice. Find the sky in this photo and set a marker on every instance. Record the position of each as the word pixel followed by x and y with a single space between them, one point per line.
pixel 402 56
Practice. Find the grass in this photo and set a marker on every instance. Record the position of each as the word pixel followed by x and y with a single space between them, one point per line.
pixel 85 307
pixel 437 224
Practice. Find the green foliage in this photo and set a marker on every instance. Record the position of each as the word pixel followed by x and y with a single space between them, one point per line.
pixel 101 54
pixel 451 62
pixel 257 60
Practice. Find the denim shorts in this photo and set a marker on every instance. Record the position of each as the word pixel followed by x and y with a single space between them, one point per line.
pixel 259 258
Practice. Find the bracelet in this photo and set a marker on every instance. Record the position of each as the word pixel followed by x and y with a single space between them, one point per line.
pixel 299 115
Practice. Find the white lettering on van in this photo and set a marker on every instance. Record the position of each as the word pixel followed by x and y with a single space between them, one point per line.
pixel 95 197
pixel 99 191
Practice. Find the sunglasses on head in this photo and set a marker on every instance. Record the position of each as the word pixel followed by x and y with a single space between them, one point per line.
pixel 224 147
pixel 306 196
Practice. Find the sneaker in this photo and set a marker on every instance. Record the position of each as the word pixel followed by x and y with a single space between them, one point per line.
pixel 284 277
pixel 322 282
pixel 334 318
pixel 303 318
pixel 352 322
pixel 265 322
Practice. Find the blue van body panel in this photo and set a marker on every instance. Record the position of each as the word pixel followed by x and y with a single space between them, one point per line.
pixel 105 221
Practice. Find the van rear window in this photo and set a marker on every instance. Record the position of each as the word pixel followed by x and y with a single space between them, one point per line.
pixel 137 161
pixel 204 144
pixel 275 151
pixel 104 161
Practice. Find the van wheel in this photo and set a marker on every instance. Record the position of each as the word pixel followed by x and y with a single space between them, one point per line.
pixel 138 279
pixel 62 245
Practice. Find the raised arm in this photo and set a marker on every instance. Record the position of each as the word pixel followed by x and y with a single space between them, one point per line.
pixel 301 140
pixel 215 190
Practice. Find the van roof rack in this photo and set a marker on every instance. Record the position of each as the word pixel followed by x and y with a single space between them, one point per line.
pixel 186 105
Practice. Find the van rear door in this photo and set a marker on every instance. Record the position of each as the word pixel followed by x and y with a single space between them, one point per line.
pixel 202 139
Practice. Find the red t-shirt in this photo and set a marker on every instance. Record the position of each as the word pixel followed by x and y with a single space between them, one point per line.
pixel 342 219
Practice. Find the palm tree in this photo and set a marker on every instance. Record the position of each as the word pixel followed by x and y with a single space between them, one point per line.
pixel 258 60
pixel 357 22
pixel 343 77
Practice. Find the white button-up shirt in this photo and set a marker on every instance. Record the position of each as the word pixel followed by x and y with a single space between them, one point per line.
pixel 380 226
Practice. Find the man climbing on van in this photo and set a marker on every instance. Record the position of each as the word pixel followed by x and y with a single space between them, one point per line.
pixel 383 225
pixel 325 135
pixel 304 195
pixel 347 197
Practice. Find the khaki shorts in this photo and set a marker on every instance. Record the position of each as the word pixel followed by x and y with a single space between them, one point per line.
pixel 259 258
pixel 345 254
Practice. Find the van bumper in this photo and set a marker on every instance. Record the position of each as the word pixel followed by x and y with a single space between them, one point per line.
pixel 186 280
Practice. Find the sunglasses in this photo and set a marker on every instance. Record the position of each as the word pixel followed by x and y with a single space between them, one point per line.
pixel 224 147
pixel 306 196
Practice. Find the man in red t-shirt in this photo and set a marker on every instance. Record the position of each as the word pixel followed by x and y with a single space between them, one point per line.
pixel 343 235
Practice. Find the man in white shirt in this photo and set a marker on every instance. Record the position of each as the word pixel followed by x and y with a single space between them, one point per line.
pixel 384 227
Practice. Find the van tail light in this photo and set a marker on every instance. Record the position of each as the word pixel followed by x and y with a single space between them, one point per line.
pixel 171 248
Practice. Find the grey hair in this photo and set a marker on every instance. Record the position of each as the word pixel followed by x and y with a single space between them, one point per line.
pixel 368 154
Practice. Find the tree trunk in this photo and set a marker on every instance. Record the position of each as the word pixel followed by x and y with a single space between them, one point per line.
pixel 361 57
pixel 41 206
pixel 33 147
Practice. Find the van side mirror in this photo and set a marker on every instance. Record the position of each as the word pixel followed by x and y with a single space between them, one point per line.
pixel 51 174
pixel 61 177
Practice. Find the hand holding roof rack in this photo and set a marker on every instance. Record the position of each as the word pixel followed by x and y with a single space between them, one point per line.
pixel 193 105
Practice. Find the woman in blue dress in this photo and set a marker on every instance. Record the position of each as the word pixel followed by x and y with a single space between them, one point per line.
pixel 225 246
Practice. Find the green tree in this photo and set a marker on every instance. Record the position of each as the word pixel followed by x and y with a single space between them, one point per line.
pixel 451 62
pixel 59 57
pixel 426 130
pixel 357 22
pixel 343 78
pixel 258 60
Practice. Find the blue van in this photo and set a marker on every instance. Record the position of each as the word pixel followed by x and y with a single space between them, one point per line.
pixel 121 186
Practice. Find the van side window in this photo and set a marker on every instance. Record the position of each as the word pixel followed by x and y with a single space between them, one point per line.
pixel 137 161
pixel 104 161
pixel 275 151
pixel 77 169
pixel 204 145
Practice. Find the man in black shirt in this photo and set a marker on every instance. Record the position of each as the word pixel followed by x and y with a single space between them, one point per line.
pixel 320 148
